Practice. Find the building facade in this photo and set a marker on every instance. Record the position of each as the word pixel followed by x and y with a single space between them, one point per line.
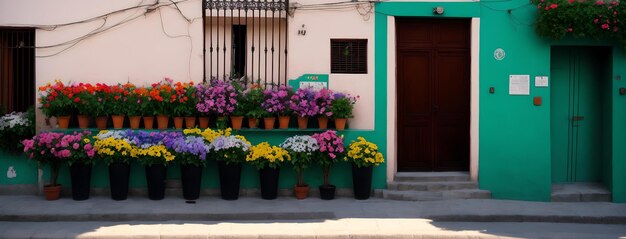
pixel 444 86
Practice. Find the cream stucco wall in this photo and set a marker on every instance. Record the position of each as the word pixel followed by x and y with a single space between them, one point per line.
pixel 138 50
pixel 310 53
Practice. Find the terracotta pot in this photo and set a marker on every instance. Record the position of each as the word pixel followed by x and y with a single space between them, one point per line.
pixel 52 192
pixel 340 123
pixel 203 122
pixel 302 122
pixel 101 122
pixel 269 122
pixel 253 123
pixel 283 122
pixel 134 121
pixel 148 122
pixel 302 192
pixel 178 122
pixel 83 121
pixel 322 121
pixel 118 121
pixel 162 121
pixel 236 121
pixel 190 122
pixel 63 121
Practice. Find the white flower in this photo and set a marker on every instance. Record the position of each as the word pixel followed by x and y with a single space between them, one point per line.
pixel 10 121
pixel 300 144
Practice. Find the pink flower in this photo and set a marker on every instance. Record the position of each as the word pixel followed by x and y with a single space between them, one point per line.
pixel 605 26
pixel 595 21
pixel 75 146
pixel 553 6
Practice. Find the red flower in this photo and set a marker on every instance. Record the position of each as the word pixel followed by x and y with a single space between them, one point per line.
pixel 77 99
pixel 605 26
pixel 553 6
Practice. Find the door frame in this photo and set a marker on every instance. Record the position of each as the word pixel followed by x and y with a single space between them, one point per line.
pixel 392 165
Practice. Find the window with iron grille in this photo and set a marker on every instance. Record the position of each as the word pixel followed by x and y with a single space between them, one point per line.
pixel 17 69
pixel 348 56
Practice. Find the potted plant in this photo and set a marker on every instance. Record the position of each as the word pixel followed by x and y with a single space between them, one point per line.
pixel 276 102
pixel 162 96
pixel 134 107
pixel 147 105
pixel 330 151
pixel 56 101
pixel 149 149
pixel 41 149
pixel 230 152
pixel 115 151
pixel 98 107
pixel 323 99
pixel 117 104
pixel 83 100
pixel 363 155
pixel 217 98
pixel 301 148
pixel 302 103
pixel 268 159
pixel 251 105
pixel 16 127
pixel 191 153
pixel 341 109
pixel 79 152
pixel 183 95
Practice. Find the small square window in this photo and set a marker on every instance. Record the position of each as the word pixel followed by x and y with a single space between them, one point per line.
pixel 348 56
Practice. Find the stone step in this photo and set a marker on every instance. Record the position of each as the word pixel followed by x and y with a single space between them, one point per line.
pixel 436 195
pixel 580 192
pixel 431 186
pixel 431 176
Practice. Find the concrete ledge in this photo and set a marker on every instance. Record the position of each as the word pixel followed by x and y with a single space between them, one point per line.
pixel 18 189
pixel 121 217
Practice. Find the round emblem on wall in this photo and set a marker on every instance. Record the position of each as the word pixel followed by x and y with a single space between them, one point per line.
pixel 499 54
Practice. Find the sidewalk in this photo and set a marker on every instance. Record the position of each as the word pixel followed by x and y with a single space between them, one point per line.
pixel 210 217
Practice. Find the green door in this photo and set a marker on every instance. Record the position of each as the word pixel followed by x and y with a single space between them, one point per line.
pixel 578 80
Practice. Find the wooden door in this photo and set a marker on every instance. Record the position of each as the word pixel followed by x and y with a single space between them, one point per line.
pixel 433 94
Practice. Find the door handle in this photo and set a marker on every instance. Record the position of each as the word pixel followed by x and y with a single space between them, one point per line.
pixel 577 118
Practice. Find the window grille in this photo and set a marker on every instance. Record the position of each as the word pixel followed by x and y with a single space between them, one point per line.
pixel 348 56
pixel 17 69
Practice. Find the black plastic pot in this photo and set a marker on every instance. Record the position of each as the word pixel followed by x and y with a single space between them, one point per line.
pixel 230 175
pixel 191 177
pixel 119 175
pixel 155 176
pixel 269 182
pixel 362 182
pixel 80 174
pixel 327 192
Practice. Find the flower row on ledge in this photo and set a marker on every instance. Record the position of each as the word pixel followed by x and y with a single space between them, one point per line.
pixel 217 97
pixel 196 147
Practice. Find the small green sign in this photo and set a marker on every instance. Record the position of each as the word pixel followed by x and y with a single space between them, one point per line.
pixel 313 81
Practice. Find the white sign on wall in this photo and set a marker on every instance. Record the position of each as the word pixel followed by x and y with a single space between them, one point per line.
pixel 541 81
pixel 519 84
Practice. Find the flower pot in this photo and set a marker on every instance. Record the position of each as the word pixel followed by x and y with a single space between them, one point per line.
pixel 118 121
pixel 362 182
pixel 302 122
pixel 230 175
pixel 83 121
pixel 301 192
pixel 162 121
pixel 178 122
pixel 253 123
pixel 322 121
pixel 269 122
pixel 283 122
pixel 52 192
pixel 63 121
pixel 203 122
pixel 327 192
pixel 148 122
pixel 101 122
pixel 236 121
pixel 191 178
pixel 340 123
pixel 119 176
pixel 134 121
pixel 269 182
pixel 80 175
pixel 190 122
pixel 155 176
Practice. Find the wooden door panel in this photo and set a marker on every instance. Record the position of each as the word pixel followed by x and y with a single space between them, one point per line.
pixel 433 81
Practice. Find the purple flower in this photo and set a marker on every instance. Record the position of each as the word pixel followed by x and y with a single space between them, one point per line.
pixel 217 97
pixel 277 100
pixel 303 103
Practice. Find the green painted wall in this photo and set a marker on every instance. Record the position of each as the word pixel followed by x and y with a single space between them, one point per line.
pixel 26 170
pixel 514 135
